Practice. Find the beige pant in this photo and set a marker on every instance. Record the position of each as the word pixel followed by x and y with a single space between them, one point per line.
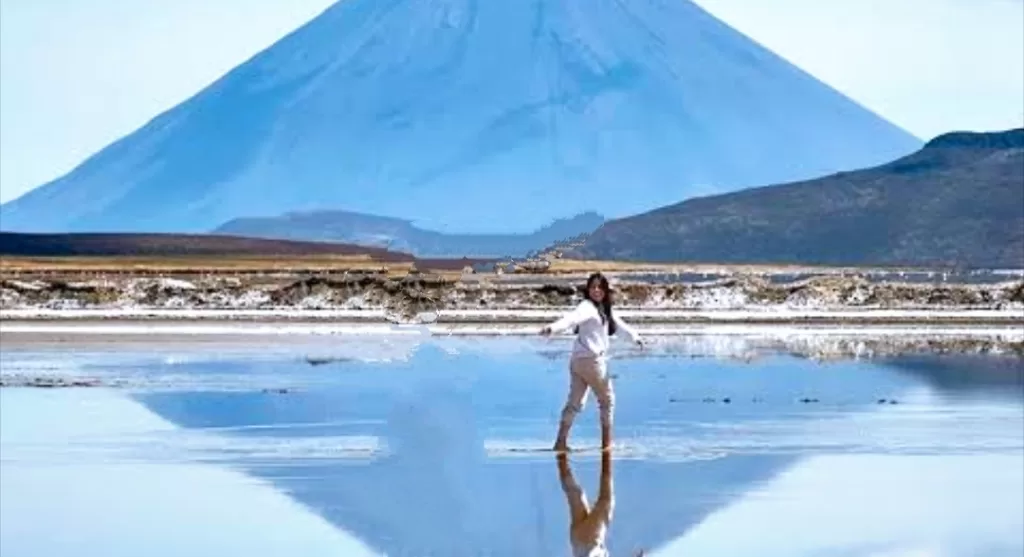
pixel 586 374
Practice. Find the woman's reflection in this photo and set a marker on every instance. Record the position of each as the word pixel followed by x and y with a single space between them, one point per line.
pixel 588 526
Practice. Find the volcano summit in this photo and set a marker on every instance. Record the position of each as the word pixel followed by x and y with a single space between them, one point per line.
pixel 473 116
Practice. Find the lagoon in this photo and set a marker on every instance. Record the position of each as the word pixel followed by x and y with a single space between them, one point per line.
pixel 433 446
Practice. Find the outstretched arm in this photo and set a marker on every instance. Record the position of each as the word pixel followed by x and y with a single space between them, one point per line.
pixel 569 320
pixel 629 331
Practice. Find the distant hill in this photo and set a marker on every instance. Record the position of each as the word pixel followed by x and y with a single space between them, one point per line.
pixel 402 235
pixel 167 245
pixel 959 201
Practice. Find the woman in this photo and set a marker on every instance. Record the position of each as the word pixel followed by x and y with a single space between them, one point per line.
pixel 594 323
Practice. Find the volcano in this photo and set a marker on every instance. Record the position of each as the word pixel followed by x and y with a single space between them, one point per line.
pixel 468 116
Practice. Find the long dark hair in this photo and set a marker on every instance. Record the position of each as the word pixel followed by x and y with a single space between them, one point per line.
pixel 604 307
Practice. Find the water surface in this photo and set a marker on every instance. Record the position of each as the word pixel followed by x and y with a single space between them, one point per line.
pixel 407 446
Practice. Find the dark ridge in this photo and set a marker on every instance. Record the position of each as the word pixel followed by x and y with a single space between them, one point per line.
pixel 167 245
pixel 1010 139
pixel 199 245
pixel 957 203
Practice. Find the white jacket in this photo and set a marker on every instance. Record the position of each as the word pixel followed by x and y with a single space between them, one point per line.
pixel 592 339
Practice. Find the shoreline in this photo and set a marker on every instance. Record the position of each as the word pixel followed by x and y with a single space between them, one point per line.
pixel 367 304
pixel 516 298
pixel 321 342
pixel 11 329
pixel 996 352
pixel 523 317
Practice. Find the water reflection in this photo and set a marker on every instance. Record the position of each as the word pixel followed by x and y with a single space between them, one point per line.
pixel 437 491
pixel 694 470
pixel 873 505
pixel 588 525
pixel 440 490
pixel 67 494
pixel 966 376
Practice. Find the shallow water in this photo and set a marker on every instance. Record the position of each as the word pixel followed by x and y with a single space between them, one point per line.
pixel 395 446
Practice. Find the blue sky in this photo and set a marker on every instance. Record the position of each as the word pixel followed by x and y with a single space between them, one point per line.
pixel 76 75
